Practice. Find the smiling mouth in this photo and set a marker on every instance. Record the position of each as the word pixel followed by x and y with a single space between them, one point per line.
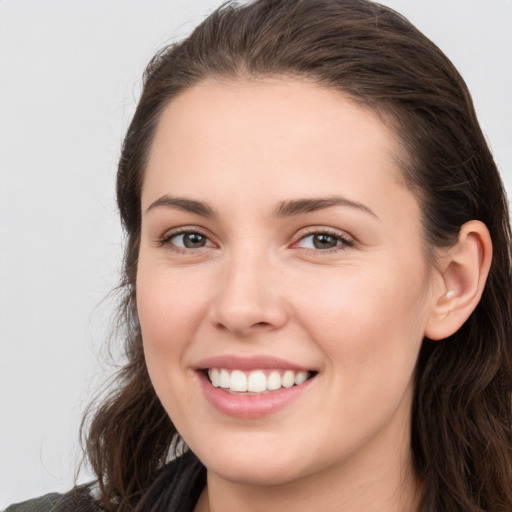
pixel 256 381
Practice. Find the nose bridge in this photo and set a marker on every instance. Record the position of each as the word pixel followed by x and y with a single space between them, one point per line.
pixel 248 295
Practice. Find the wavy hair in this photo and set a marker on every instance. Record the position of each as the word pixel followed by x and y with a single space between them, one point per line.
pixel 461 417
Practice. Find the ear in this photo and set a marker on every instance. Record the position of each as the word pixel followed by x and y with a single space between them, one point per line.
pixel 463 270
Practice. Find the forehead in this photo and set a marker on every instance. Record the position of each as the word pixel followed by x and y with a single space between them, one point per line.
pixel 274 136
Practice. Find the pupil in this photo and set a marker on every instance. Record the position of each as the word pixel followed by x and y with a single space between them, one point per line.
pixel 323 241
pixel 193 240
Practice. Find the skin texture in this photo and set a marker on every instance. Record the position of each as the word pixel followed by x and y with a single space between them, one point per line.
pixel 356 313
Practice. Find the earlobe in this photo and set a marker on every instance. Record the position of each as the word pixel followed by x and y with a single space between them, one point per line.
pixel 463 269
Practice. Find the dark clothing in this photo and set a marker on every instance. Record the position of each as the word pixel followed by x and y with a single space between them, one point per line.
pixel 78 500
pixel 176 489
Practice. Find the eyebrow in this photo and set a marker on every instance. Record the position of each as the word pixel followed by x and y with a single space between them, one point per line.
pixel 182 203
pixel 287 208
pixel 300 206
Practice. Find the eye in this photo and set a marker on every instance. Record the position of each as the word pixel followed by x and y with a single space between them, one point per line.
pixel 187 240
pixel 324 241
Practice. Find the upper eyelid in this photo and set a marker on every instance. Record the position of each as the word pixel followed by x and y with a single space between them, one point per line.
pixel 165 238
pixel 324 230
pixel 300 234
pixel 169 233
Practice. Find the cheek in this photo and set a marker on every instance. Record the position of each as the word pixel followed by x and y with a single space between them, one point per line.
pixel 169 312
pixel 369 325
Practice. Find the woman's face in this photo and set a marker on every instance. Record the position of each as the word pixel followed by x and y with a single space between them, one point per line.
pixel 279 244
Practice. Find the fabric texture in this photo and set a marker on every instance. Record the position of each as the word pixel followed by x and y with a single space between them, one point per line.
pixel 176 489
pixel 77 500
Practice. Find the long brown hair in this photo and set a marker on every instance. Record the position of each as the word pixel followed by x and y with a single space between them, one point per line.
pixel 462 417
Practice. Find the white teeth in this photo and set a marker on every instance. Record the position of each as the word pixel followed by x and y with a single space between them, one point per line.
pixel 273 381
pixel 301 377
pixel 224 379
pixel 288 379
pixel 238 381
pixel 214 375
pixel 256 381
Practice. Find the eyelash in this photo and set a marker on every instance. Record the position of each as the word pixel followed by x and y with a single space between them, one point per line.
pixel 344 241
pixel 166 240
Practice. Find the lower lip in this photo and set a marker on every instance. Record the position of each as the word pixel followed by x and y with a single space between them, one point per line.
pixel 250 406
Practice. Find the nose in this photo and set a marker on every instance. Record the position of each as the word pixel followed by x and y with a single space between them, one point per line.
pixel 249 298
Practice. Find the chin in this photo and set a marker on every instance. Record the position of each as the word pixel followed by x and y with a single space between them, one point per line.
pixel 260 466
pixel 268 473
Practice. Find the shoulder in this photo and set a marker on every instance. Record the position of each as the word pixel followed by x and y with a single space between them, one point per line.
pixel 177 487
pixel 76 500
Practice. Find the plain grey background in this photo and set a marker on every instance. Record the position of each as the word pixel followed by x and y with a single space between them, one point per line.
pixel 69 79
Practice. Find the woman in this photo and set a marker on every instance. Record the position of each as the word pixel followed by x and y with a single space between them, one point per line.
pixel 317 276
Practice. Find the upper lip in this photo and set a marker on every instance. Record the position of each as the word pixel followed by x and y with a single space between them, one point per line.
pixel 256 362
